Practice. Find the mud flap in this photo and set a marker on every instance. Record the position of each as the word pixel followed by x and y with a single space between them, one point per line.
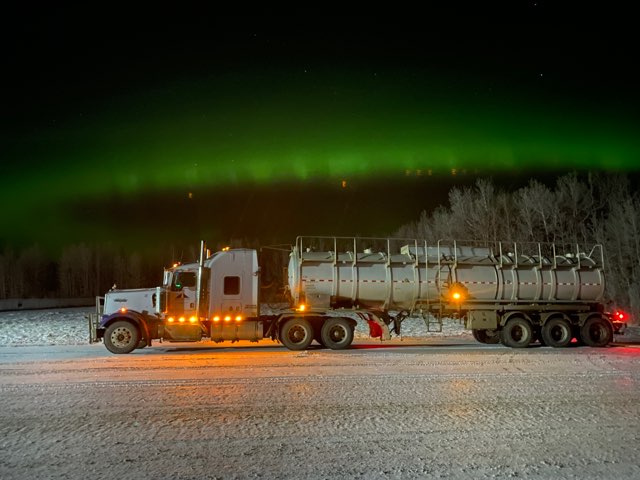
pixel 377 328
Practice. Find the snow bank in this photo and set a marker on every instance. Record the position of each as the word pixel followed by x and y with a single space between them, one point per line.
pixel 65 326
pixel 68 326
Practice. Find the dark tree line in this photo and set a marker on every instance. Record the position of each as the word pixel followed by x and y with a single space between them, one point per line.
pixel 81 271
pixel 84 271
pixel 597 209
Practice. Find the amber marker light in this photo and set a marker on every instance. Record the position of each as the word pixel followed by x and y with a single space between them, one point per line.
pixel 458 292
pixel 216 318
pixel 181 319
pixel 238 318
pixel 302 307
pixel 123 310
pixel 171 319
pixel 193 319
pixel 227 318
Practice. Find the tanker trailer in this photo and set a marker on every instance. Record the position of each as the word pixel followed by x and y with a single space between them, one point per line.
pixel 507 292
pixel 504 292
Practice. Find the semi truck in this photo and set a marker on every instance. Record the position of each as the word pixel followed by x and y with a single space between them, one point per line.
pixel 505 292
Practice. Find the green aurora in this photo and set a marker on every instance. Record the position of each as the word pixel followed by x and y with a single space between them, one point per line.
pixel 272 130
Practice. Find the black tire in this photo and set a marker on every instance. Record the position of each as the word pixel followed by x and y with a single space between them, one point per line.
pixel 121 337
pixel 296 334
pixel 317 335
pixel 337 333
pixel 557 332
pixel 517 333
pixel 490 337
pixel 596 332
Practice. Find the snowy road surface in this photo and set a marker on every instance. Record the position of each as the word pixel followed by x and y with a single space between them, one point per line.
pixel 452 409
pixel 437 407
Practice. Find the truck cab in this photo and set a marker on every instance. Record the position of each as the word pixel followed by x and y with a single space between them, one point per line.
pixel 216 298
pixel 180 283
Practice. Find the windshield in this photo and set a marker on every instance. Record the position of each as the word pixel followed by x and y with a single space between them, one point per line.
pixel 183 279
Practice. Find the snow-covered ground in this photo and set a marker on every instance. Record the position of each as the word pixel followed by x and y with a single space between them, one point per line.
pixel 453 409
pixel 456 410
pixel 60 326
pixel 68 326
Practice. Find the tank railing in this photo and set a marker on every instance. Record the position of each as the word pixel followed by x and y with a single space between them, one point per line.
pixel 311 242
pixel 515 251
pixel 540 256
pixel 597 246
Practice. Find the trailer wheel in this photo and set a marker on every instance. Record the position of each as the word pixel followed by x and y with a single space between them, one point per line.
pixel 596 332
pixel 337 333
pixel 517 333
pixel 296 334
pixel 488 336
pixel 121 337
pixel 557 332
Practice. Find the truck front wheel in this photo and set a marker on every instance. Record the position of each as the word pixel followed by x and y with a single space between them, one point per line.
pixel 337 333
pixel 121 337
pixel 296 334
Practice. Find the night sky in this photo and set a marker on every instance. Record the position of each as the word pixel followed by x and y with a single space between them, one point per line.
pixel 175 126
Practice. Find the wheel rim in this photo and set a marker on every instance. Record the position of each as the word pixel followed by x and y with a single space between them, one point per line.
pixel 297 334
pixel 338 334
pixel 559 333
pixel 121 337
pixel 518 333
pixel 597 332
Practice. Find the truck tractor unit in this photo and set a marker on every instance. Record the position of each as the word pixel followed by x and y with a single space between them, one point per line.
pixel 507 293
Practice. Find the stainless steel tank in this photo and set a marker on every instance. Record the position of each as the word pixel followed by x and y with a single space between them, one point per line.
pixel 419 274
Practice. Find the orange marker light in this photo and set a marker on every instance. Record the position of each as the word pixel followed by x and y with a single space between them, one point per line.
pixel 181 319
pixel 216 318
pixel 458 292
pixel 227 318
pixel 193 319
pixel 238 318
pixel 171 319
